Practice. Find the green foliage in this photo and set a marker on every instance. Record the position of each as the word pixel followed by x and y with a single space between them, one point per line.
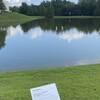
pixel 46 8
pixel 24 8
pixel 87 7
pixel 97 10
pixel 2 38
pixel 61 8
pixel 2 6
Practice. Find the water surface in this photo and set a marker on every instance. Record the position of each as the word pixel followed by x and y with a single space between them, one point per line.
pixel 50 43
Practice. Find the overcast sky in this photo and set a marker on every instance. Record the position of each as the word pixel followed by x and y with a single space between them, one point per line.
pixel 18 2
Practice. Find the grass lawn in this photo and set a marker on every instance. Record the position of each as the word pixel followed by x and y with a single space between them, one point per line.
pixel 11 18
pixel 74 83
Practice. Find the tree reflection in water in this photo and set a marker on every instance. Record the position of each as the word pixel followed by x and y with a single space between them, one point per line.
pixel 67 29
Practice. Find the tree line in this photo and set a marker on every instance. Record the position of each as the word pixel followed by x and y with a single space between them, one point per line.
pixel 59 8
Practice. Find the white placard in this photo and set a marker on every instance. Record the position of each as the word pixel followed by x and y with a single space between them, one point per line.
pixel 46 92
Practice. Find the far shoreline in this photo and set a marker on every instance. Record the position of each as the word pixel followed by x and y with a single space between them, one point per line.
pixel 12 18
pixel 76 17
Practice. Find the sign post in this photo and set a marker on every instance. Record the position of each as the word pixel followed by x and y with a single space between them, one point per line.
pixel 46 92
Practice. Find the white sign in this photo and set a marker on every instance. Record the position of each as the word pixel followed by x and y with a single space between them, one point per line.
pixel 47 92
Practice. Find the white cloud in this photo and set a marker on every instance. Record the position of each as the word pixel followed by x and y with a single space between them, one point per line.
pixel 19 2
pixel 12 31
pixel 15 31
pixel 69 35
pixel 72 34
pixel 15 2
pixel 36 32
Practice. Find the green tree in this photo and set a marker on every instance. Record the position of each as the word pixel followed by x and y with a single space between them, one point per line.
pixel 97 10
pixel 87 7
pixel 47 9
pixel 14 9
pixel 24 8
pixel 61 8
pixel 2 6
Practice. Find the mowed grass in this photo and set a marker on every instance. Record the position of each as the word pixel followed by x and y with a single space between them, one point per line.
pixel 74 83
pixel 11 18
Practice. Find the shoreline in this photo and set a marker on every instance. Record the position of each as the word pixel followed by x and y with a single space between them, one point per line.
pixel 76 17
pixel 48 68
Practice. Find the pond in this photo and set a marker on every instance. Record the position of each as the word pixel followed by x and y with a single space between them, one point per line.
pixel 50 43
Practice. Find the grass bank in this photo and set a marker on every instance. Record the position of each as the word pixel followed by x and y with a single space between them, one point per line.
pixel 74 83
pixel 76 17
pixel 11 18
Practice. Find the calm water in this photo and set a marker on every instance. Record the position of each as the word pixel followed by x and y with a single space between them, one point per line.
pixel 50 43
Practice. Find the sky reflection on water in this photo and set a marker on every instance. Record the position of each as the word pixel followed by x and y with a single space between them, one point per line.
pixel 32 45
